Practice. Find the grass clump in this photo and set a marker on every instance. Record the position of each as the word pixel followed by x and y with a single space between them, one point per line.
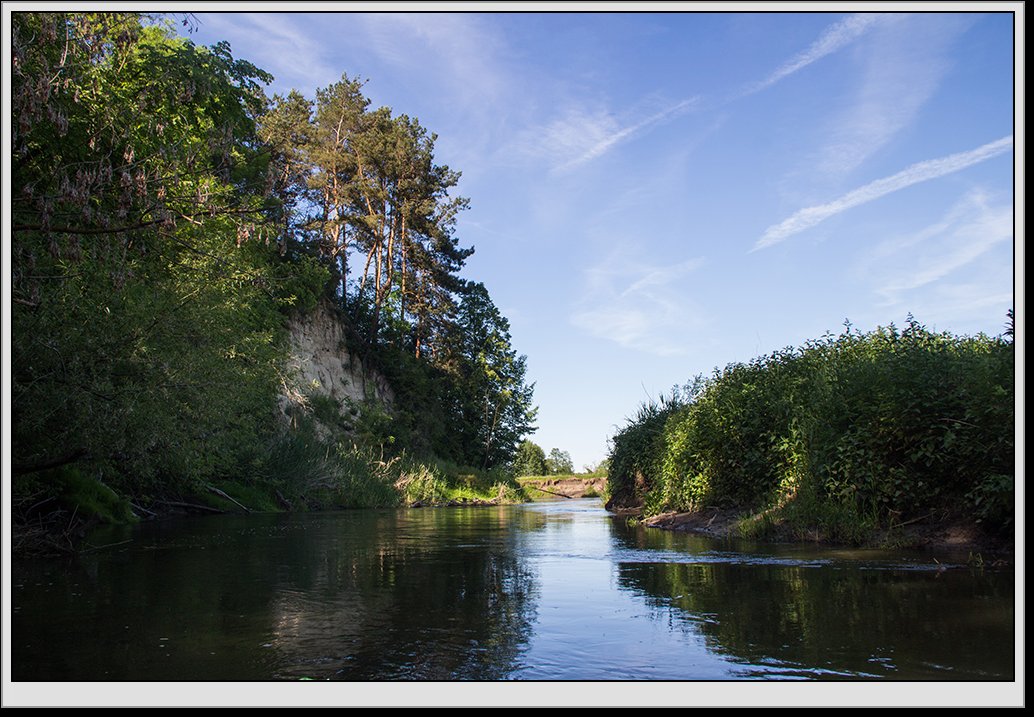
pixel 318 472
pixel 88 498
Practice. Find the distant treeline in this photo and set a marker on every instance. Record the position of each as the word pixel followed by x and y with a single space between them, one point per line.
pixel 842 436
pixel 167 217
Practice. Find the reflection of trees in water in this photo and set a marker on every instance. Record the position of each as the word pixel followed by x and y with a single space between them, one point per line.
pixel 794 619
pixel 187 600
pixel 430 594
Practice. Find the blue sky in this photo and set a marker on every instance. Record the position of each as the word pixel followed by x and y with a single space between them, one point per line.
pixel 656 194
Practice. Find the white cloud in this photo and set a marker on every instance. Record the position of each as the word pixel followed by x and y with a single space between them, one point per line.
pixel 916 173
pixel 596 136
pixel 835 37
pixel 970 230
pixel 638 305
pixel 278 43
pixel 455 48
pixel 579 135
pixel 902 67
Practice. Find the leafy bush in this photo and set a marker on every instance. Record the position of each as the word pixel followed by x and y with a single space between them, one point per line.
pixel 841 433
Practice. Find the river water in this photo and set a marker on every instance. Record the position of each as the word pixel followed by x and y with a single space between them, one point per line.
pixel 557 591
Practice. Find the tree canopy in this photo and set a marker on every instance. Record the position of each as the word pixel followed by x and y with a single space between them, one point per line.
pixel 167 216
pixel 530 460
pixel 559 462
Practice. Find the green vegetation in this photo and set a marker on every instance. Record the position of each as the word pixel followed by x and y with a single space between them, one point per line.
pixel 559 462
pixel 167 220
pixel 838 438
pixel 531 460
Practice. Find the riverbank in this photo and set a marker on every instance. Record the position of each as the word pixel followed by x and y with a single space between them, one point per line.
pixel 563 486
pixel 928 533
pixel 55 512
pixel 896 437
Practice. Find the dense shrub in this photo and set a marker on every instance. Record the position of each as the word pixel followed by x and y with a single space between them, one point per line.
pixel 882 426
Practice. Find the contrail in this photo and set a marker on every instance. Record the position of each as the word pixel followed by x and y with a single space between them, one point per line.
pixel 919 172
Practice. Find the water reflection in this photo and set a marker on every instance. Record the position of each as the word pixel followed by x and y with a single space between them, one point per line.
pixel 545 592
pixel 355 595
pixel 802 616
pixel 435 595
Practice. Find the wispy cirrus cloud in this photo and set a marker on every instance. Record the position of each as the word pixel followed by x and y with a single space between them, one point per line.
pixel 638 305
pixel 579 134
pixel 916 173
pixel 902 66
pixel 456 49
pixel 453 68
pixel 835 37
pixel 968 231
pixel 285 43
pixel 579 138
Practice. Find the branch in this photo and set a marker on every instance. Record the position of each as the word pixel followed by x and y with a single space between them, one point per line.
pixel 192 506
pixel 119 230
pixel 71 230
pixel 23 469
pixel 221 494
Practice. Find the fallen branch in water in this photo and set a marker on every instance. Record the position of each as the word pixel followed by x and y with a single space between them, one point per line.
pixel 109 545
pixel 550 491
pixel 193 506
pixel 141 509
pixel 223 495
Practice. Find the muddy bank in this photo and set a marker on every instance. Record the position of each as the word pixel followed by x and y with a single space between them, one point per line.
pixel 931 534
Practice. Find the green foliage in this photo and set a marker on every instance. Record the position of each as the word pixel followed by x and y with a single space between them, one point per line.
pixel 320 473
pixel 812 516
pixel 493 404
pixel 147 330
pixel 87 497
pixel 530 460
pixel 840 435
pixel 317 473
pixel 993 501
pixel 166 216
pixel 638 449
pixel 327 411
pixel 254 495
pixel 559 462
pixel 358 189
pixel 441 482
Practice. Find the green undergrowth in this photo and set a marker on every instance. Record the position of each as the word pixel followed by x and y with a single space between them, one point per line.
pixel 319 473
pixel 256 497
pixel 841 438
pixel 88 497
pixel 807 517
pixel 301 470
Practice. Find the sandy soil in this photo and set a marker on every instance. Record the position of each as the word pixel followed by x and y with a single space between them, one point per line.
pixel 565 486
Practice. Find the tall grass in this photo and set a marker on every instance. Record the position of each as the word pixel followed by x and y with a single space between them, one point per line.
pixel 842 434
pixel 321 473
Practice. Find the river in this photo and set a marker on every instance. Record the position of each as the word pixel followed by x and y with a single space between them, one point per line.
pixel 558 591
